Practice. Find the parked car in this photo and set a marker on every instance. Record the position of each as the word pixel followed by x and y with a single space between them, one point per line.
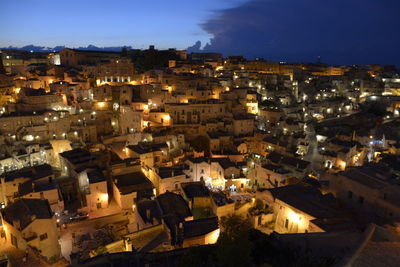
pixel 80 216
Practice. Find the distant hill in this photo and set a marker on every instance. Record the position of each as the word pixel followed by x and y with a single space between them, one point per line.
pixel 36 48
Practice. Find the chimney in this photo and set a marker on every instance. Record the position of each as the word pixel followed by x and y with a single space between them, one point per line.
pixel 128 244
pixel 173 173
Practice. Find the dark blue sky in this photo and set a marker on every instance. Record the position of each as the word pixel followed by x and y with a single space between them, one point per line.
pixel 340 31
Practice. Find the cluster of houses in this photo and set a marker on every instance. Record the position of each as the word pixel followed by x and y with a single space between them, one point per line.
pixel 295 148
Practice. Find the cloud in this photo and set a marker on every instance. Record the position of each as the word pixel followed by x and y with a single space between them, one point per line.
pixel 194 48
pixel 340 31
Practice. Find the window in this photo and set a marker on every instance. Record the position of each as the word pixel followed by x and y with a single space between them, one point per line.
pixel 350 195
pixel 287 223
pixel 202 171
pixel 14 241
pixel 43 237
pixel 361 200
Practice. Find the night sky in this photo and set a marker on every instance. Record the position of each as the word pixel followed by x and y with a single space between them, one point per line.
pixel 340 31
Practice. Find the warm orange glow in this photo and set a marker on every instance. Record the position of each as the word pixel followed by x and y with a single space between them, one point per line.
pixel 104 197
pixel 101 104
pixel 64 98
pixel 293 216
pixel 252 107
pixel 213 237
pixel 342 165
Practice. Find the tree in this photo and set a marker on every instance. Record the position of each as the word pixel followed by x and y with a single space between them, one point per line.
pixel 199 256
pixel 234 225
pixel 233 246
pixel 201 143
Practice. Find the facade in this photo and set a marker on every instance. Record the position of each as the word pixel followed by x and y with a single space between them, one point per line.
pixel 301 208
pixel 74 57
pixel 205 170
pixel 129 188
pixel 193 113
pixel 168 179
pixel 30 222
pixel 367 190
pixel 113 136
